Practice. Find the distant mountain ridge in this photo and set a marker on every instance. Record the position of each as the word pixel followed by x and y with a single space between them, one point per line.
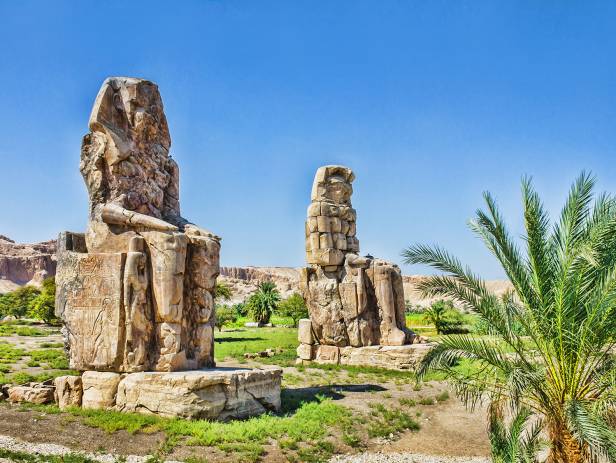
pixel 22 264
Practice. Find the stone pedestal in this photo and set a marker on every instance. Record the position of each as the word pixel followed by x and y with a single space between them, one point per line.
pixel 213 394
pixel 406 357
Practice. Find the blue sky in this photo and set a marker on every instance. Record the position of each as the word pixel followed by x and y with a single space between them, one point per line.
pixel 429 102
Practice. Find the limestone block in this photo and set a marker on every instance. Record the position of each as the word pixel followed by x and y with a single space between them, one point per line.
pixel 340 241
pixel 327 354
pixel 330 210
pixel 69 390
pixel 344 227
pixel 304 332
pixel 33 393
pixel 335 225
pixel 315 241
pixel 326 241
pixel 314 209
pixel 216 394
pixel 407 357
pixel 93 307
pixel 304 351
pixel 324 224
pixel 99 389
pixel 312 224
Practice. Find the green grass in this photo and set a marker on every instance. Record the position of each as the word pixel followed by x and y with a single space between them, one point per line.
pixel 232 344
pixel 24 457
pixel 389 421
pixel 308 425
pixel 9 353
pixel 11 329
pixel 53 358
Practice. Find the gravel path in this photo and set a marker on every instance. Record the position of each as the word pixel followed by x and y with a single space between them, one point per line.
pixel 404 458
pixel 16 445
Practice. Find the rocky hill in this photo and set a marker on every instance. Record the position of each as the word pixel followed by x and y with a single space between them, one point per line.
pixel 22 264
pixel 244 280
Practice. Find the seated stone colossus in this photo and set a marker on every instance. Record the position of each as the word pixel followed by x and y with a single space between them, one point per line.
pixel 136 291
pixel 353 300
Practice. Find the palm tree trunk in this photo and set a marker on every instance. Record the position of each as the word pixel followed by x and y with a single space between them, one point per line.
pixel 565 448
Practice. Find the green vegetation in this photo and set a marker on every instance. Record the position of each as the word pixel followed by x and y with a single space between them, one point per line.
pixel 16 456
pixel 445 318
pixel 552 350
pixel 225 314
pixel 510 443
pixel 293 307
pixel 386 422
pixel 234 344
pixel 30 302
pixel 222 292
pixel 263 303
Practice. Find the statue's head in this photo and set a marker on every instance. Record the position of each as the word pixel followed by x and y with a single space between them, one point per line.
pixel 333 183
pixel 129 111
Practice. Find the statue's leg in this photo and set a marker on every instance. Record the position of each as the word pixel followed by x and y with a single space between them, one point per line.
pixel 391 334
pixel 168 259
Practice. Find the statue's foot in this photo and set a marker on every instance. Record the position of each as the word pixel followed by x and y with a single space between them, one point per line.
pixel 396 337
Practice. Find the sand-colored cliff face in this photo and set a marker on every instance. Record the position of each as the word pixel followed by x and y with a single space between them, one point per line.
pixel 22 264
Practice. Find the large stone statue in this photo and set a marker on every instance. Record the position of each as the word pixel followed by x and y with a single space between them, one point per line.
pixel 136 293
pixel 353 300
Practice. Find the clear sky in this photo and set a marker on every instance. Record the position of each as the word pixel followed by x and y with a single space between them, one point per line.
pixel 429 102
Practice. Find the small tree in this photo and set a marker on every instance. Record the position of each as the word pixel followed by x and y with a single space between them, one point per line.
pixel 514 441
pixel 18 302
pixel 241 309
pixel 225 314
pixel 42 307
pixel 293 307
pixel 445 318
pixel 262 303
pixel 223 292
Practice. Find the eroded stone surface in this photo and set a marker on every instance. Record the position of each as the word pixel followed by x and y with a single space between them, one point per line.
pixel 33 393
pixel 68 392
pixel 219 393
pixel 99 389
pixel 352 300
pixel 136 290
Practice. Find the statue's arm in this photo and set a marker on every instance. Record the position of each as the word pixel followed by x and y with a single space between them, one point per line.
pixel 117 215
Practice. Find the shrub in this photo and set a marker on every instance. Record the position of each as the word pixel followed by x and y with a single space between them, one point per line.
pixel 293 307
pixel 225 314
pixel 445 318
pixel 42 306
pixel 17 303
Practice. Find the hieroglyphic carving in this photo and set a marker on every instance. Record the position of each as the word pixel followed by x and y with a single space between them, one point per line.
pixel 94 312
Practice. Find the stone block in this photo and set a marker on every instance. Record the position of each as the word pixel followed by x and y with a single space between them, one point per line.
pixel 327 354
pixel 32 393
pixel 304 351
pixel 215 394
pixel 69 390
pixel 324 224
pixel 406 357
pixel 99 389
pixel 304 331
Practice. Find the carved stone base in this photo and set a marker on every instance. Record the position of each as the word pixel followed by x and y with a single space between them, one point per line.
pixel 405 357
pixel 214 394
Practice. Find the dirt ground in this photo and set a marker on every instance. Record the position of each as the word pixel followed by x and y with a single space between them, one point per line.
pixel 447 428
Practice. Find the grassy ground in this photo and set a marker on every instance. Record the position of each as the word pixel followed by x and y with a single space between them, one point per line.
pixel 326 409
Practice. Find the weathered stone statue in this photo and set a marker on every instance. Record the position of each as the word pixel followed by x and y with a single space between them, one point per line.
pixel 353 301
pixel 136 293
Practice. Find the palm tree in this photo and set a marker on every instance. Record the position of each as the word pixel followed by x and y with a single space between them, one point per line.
pixel 552 349
pixel 511 444
pixel 262 303
pixel 223 291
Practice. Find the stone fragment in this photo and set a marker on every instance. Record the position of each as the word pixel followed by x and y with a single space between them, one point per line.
pixel 99 389
pixel 304 331
pixel 68 391
pixel 217 394
pixel 304 351
pixel 327 354
pixel 35 393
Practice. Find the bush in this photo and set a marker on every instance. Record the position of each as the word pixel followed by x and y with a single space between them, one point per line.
pixel 17 303
pixel 241 309
pixel 445 318
pixel 43 306
pixel 225 314
pixel 293 307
